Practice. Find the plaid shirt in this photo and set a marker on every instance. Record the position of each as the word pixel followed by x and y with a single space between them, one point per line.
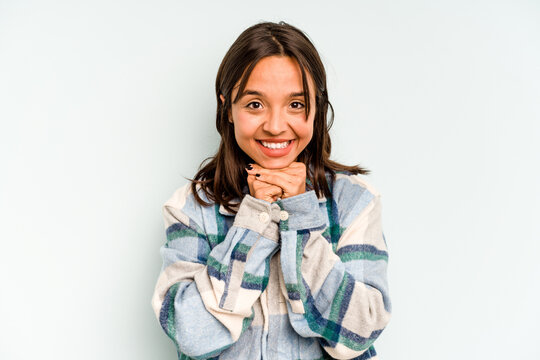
pixel 299 278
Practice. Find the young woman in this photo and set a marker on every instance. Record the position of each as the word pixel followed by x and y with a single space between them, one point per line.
pixel 273 251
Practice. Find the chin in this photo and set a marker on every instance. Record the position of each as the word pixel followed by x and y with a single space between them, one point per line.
pixel 275 163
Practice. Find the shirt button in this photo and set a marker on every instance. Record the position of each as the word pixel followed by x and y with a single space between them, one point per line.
pixel 264 217
pixel 283 215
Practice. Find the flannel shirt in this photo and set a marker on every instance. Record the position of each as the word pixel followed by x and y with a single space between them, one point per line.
pixel 300 278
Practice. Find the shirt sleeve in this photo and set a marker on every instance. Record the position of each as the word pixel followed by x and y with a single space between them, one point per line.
pixel 337 293
pixel 203 297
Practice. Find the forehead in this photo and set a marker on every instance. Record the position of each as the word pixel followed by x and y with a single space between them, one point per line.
pixel 276 73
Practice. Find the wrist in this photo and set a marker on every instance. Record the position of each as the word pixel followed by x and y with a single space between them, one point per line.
pixel 257 215
pixel 303 212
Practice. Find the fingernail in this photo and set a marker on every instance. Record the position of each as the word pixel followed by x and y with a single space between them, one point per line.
pixel 257 175
pixel 250 167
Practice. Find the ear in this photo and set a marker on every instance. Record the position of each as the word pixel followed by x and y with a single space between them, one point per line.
pixel 229 112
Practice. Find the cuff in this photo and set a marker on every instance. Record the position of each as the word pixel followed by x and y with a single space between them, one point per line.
pixel 302 212
pixel 259 216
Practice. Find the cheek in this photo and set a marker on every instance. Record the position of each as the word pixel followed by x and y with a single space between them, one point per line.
pixel 305 132
pixel 244 126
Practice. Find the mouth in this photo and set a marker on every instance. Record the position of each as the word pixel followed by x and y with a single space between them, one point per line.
pixel 275 148
pixel 274 145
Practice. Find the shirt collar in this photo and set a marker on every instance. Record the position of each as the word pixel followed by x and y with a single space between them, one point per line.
pixel 235 203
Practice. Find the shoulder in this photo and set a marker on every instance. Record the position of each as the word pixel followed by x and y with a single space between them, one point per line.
pixel 348 183
pixel 183 196
pixel 351 183
pixel 352 195
pixel 183 206
pixel 179 197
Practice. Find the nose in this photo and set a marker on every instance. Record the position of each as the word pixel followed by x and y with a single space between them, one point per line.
pixel 275 123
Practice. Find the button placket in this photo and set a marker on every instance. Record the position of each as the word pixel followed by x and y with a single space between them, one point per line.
pixel 274 212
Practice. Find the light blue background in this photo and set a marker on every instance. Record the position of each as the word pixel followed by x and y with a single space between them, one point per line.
pixel 106 105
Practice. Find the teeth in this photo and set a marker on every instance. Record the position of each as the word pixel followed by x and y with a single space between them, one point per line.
pixel 275 145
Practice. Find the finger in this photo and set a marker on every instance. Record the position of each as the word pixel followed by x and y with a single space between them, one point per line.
pixel 254 166
pixel 257 185
pixel 290 188
pixel 250 180
pixel 296 170
pixel 267 192
pixel 263 185
pixel 256 171
pixel 292 179
pixel 280 179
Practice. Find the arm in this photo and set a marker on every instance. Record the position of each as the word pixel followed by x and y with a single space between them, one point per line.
pixel 337 294
pixel 203 297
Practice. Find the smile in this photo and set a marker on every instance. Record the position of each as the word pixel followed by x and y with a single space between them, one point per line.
pixel 276 149
pixel 273 145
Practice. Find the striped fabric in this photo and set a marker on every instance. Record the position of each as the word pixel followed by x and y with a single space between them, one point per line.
pixel 301 278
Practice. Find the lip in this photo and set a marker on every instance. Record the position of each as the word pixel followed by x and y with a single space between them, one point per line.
pixel 275 152
pixel 274 140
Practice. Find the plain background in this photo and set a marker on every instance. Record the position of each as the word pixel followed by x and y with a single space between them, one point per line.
pixel 106 106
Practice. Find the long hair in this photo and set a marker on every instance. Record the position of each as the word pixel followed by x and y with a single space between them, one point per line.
pixel 222 177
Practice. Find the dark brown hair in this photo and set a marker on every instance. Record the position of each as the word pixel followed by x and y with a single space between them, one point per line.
pixel 222 178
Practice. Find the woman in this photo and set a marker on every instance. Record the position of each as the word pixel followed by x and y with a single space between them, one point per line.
pixel 273 250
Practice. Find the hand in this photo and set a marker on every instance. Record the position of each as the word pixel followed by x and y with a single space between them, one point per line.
pixel 291 179
pixel 261 190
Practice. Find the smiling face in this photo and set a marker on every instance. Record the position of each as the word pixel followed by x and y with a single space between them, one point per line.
pixel 270 123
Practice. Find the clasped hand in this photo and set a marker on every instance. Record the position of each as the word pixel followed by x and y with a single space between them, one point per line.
pixel 271 184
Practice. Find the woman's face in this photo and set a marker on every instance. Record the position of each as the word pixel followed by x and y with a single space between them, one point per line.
pixel 269 119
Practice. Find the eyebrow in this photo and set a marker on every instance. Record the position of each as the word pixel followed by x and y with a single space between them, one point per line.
pixel 258 93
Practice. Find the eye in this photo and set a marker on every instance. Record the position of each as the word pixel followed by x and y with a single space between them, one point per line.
pixel 297 105
pixel 254 105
